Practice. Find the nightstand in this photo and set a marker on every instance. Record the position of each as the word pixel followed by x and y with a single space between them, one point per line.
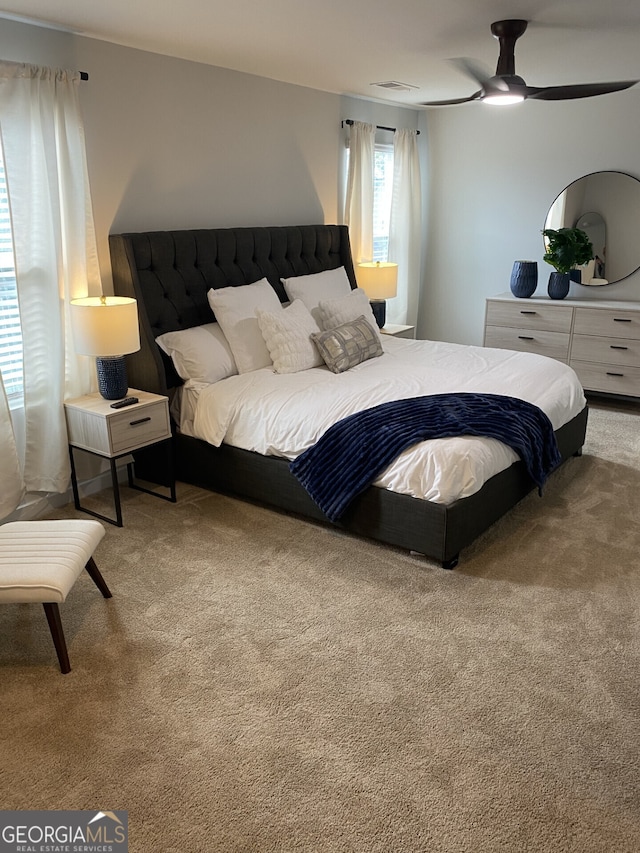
pixel 96 428
pixel 399 331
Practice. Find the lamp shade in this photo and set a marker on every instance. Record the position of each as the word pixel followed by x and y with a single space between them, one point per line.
pixel 378 279
pixel 105 325
pixel 107 328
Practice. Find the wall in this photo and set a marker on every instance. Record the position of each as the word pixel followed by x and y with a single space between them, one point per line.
pixel 495 173
pixel 177 144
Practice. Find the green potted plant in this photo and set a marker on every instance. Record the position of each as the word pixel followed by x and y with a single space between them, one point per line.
pixel 567 248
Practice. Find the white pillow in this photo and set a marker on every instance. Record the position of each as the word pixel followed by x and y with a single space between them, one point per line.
pixel 201 353
pixel 329 284
pixel 235 309
pixel 335 312
pixel 287 334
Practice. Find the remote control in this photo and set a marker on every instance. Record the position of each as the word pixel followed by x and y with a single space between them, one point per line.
pixel 128 401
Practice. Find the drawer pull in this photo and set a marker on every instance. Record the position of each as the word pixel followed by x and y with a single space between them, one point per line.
pixel 528 312
pixel 525 337
pixel 622 320
pixel 614 374
pixel 139 421
pixel 614 346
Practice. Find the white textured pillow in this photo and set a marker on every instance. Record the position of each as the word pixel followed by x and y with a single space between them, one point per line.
pixel 287 335
pixel 311 289
pixel 201 353
pixel 235 309
pixel 335 312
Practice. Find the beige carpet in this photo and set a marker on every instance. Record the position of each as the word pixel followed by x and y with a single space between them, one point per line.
pixel 262 684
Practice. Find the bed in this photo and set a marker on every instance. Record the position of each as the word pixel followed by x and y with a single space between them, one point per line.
pixel 171 274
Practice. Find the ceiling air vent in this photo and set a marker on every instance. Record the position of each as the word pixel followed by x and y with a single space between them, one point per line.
pixel 393 84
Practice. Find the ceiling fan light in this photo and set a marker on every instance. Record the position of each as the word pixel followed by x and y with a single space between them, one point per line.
pixel 504 89
pixel 503 99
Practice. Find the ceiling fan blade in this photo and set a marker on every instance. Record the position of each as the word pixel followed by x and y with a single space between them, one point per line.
pixel 472 69
pixel 578 90
pixel 476 96
pixel 477 73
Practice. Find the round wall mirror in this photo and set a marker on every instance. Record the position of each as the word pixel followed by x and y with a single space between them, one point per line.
pixel 606 206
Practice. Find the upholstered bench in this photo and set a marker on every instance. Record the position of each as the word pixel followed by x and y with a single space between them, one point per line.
pixel 41 560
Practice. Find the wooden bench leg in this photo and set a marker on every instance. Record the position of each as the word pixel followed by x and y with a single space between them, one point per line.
pixel 55 626
pixel 97 578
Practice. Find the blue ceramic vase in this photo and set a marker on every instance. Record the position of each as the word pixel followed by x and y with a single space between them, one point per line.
pixel 524 278
pixel 558 285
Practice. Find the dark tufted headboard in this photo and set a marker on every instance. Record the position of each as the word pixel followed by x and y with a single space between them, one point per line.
pixel 170 272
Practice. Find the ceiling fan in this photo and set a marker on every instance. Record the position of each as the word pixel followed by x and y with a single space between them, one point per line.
pixel 506 87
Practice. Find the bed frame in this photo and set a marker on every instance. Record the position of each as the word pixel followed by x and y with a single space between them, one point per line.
pixel 169 273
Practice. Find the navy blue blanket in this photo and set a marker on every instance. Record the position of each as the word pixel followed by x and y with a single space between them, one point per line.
pixel 353 453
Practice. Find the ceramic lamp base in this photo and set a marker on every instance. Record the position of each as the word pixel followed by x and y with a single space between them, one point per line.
pixel 112 377
pixel 379 308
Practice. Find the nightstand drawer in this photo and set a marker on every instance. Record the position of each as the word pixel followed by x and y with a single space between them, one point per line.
pixel 606 350
pixel 530 315
pixel 94 426
pixel 552 344
pixel 607 322
pixel 139 426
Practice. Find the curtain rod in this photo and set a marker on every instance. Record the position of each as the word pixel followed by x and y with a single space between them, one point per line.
pixel 349 121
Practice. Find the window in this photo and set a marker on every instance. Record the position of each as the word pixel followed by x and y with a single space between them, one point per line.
pixel 382 192
pixel 10 333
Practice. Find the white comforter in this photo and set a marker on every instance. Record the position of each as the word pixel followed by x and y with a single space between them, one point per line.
pixel 282 415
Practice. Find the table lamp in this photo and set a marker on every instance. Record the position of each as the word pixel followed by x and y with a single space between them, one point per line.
pixel 379 280
pixel 107 328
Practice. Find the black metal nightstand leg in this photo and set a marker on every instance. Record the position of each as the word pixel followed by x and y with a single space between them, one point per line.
pixel 172 477
pixel 74 479
pixel 114 485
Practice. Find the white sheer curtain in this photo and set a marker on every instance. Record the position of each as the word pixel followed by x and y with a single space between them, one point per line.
pixel 359 198
pixel 55 252
pixel 405 228
pixel 11 485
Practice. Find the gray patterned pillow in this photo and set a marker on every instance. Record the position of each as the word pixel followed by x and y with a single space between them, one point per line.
pixel 348 344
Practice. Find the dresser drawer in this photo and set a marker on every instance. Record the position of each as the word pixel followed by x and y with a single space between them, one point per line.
pixel 611 379
pixel 552 344
pixel 625 351
pixel 607 322
pixel 135 428
pixel 549 318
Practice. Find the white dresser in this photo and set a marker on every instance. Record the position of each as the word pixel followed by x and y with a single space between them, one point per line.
pixel 600 339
